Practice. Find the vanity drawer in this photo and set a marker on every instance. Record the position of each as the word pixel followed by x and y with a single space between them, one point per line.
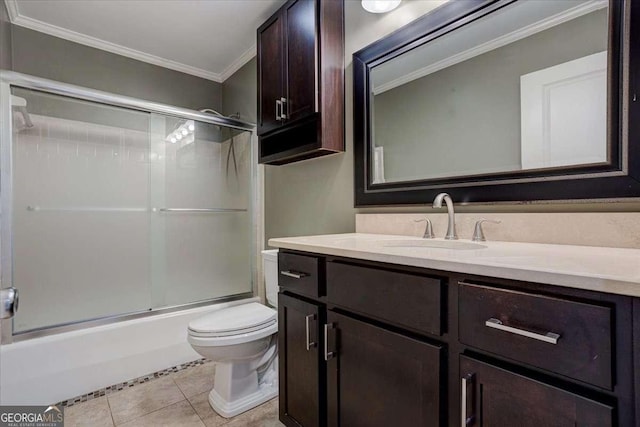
pixel 407 300
pixel 299 274
pixel 570 338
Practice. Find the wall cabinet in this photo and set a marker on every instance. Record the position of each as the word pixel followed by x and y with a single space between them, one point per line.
pixel 370 344
pixel 301 81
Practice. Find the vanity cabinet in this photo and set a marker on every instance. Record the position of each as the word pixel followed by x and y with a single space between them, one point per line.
pixel 300 363
pixel 301 81
pixel 492 396
pixel 571 338
pixel 380 378
pixel 371 344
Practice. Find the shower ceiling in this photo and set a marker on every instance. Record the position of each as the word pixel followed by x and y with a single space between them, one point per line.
pixel 206 38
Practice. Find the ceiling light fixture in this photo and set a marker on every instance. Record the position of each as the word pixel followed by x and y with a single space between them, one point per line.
pixel 380 6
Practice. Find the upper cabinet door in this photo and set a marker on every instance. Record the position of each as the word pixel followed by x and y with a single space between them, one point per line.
pixel 301 86
pixel 270 74
pixel 300 24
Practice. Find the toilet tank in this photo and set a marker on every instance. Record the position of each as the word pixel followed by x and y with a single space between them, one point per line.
pixel 270 269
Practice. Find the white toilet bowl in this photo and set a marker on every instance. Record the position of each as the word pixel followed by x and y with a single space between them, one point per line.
pixel 242 341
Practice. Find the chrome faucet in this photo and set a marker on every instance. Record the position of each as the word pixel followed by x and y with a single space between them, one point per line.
pixel 451 228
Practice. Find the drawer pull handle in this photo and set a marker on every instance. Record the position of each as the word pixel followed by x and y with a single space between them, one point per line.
pixel 549 337
pixel 308 318
pixel 294 274
pixel 327 354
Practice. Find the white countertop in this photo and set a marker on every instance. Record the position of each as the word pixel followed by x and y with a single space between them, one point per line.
pixel 612 270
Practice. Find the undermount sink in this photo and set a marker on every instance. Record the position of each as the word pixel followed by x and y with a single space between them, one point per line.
pixel 437 244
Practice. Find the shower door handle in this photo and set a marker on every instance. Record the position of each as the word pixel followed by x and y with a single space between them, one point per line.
pixel 278 108
pixel 8 302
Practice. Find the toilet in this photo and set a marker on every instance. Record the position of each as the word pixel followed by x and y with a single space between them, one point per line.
pixel 242 341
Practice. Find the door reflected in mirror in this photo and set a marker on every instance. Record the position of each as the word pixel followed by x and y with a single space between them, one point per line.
pixel 523 88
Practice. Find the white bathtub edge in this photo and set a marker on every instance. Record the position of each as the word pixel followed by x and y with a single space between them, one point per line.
pixel 46 370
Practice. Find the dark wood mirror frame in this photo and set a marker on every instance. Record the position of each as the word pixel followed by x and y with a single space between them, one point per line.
pixel 619 179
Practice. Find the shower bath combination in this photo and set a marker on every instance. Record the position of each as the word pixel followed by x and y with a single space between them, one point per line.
pixel 83 169
pixel 187 128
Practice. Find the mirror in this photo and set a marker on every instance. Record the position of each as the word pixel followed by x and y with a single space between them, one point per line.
pixel 478 97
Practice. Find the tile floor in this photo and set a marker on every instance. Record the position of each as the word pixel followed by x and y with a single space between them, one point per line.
pixel 179 399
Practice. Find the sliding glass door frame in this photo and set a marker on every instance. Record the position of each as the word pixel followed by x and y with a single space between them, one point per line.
pixel 9 79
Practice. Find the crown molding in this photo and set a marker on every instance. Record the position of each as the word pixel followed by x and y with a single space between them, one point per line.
pixel 247 56
pixel 12 9
pixel 63 33
pixel 496 43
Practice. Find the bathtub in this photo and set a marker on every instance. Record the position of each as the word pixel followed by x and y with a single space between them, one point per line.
pixel 46 370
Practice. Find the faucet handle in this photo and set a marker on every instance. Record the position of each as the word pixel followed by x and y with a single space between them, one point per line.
pixel 478 234
pixel 428 232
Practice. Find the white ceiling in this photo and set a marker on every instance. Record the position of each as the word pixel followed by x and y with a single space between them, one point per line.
pixel 205 38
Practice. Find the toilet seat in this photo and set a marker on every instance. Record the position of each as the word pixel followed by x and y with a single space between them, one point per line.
pixel 234 325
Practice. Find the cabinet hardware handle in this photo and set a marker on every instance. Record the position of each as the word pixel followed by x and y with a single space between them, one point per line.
pixel 466 419
pixel 327 354
pixel 283 105
pixel 549 337
pixel 294 274
pixel 278 108
pixel 310 345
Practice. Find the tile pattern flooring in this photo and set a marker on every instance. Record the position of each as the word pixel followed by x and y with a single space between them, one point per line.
pixel 121 386
pixel 179 399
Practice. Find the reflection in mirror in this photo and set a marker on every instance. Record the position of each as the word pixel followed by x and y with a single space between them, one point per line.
pixel 522 88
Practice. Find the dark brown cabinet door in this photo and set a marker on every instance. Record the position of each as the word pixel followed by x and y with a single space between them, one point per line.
pixel 300 364
pixel 377 378
pixel 494 397
pixel 270 73
pixel 300 24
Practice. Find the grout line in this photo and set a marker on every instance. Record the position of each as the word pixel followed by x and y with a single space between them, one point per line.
pixel 113 421
pixel 194 410
pixel 178 386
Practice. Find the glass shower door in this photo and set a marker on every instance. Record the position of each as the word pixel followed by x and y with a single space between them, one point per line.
pixel 117 211
pixel 81 230
pixel 202 227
